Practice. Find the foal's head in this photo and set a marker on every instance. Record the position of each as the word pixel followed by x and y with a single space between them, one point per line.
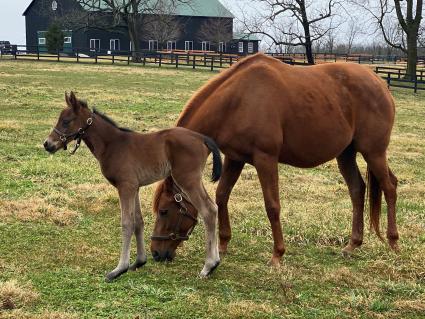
pixel 176 218
pixel 73 118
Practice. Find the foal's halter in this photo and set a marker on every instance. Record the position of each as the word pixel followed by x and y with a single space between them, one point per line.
pixel 78 136
pixel 183 212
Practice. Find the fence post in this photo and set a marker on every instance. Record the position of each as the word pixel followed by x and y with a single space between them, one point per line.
pixel 221 59
pixel 177 61
pixel 144 59
pixel 416 83
pixel 160 59
pixel 58 55
pixel 187 58
pixel 113 58
pixel 78 57
pixel 38 53
pixel 95 56
pixel 212 63
pixel 389 79
pixel 231 61
pixel 194 62
pixel 205 59
pixel 128 59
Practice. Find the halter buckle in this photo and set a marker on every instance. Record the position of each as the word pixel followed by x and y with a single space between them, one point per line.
pixel 62 138
pixel 178 198
pixel 173 236
pixel 89 121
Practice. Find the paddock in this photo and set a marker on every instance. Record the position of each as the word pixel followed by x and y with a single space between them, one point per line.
pixel 59 218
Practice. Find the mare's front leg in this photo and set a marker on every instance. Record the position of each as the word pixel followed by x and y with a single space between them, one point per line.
pixel 127 195
pixel 139 233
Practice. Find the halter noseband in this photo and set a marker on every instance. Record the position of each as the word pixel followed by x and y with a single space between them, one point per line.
pixel 75 136
pixel 183 212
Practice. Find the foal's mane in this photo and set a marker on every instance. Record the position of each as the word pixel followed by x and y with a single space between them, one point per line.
pixel 211 86
pixel 110 121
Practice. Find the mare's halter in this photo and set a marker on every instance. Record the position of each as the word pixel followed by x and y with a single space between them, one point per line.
pixel 183 213
pixel 78 136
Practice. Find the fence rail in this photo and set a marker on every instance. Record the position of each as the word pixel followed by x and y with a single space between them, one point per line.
pixel 394 76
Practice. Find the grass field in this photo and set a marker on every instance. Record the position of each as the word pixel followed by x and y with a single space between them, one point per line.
pixel 60 229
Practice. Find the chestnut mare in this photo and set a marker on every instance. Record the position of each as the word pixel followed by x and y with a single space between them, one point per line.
pixel 264 112
pixel 129 160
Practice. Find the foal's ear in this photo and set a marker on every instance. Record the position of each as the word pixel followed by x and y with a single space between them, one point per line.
pixel 73 102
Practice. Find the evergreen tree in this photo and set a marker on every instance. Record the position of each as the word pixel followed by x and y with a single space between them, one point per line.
pixel 54 38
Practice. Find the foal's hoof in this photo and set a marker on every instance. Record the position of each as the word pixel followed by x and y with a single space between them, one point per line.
pixel 207 271
pixel 348 250
pixel 137 264
pixel 115 274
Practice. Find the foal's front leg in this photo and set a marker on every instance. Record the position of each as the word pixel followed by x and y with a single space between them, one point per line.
pixel 127 202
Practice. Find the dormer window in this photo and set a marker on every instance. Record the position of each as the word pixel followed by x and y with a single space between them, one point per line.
pixel 54 5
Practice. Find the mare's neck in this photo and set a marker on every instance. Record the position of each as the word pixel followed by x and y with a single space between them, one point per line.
pixel 99 136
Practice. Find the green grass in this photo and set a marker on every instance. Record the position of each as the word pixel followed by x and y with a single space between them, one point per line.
pixel 60 230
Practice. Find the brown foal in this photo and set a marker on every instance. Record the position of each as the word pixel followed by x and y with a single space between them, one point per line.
pixel 129 160
pixel 264 112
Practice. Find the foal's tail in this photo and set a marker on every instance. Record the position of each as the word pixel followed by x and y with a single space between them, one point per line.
pixel 217 164
pixel 375 201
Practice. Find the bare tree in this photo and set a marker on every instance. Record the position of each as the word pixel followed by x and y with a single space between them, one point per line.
pixel 163 26
pixel 352 33
pixel 408 14
pixel 118 15
pixel 216 29
pixel 300 20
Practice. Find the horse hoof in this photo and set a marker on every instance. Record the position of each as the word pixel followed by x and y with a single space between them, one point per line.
pixel 274 262
pixel 206 272
pixel 394 246
pixel 347 252
pixel 137 264
pixel 222 249
pixel 114 275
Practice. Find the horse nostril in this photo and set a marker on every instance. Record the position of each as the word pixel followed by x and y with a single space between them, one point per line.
pixel 155 255
pixel 45 144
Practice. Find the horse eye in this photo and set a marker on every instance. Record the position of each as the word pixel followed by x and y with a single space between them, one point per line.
pixel 163 212
pixel 66 122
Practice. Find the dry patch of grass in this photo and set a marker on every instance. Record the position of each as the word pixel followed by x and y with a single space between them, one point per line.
pixel 36 210
pixel 14 296
pixel 19 314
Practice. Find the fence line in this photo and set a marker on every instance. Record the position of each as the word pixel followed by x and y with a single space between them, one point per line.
pixel 395 77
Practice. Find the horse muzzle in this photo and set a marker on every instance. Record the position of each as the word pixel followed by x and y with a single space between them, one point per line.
pixel 162 256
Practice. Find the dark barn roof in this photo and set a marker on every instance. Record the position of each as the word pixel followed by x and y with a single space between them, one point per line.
pixel 196 8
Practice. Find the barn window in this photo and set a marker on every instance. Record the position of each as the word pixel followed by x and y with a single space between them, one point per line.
pixel 188 45
pixel 222 47
pixel 205 45
pixel 67 40
pixel 41 41
pixel 171 45
pixel 250 47
pixel 240 47
pixel 153 45
pixel 94 44
pixel 114 45
pixel 54 5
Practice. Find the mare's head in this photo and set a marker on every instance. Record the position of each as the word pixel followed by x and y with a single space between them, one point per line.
pixel 175 220
pixel 72 119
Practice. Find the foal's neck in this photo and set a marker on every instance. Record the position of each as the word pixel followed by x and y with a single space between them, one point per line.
pixel 100 136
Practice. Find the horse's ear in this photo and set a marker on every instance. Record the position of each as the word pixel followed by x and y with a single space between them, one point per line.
pixel 67 99
pixel 73 102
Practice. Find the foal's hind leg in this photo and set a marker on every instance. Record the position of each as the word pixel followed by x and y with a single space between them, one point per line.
pixel 199 198
pixel 139 232
pixel 231 172
pixel 348 167
pixel 388 183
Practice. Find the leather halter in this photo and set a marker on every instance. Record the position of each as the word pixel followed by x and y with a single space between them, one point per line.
pixel 74 136
pixel 183 212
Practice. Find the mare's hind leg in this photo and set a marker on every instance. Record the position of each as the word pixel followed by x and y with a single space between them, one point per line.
pixel 388 183
pixel 267 169
pixel 231 172
pixel 139 233
pixel 193 188
pixel 348 167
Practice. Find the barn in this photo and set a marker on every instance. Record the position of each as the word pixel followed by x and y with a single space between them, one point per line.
pixel 202 25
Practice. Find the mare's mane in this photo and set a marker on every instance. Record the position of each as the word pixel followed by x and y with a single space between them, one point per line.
pixel 110 121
